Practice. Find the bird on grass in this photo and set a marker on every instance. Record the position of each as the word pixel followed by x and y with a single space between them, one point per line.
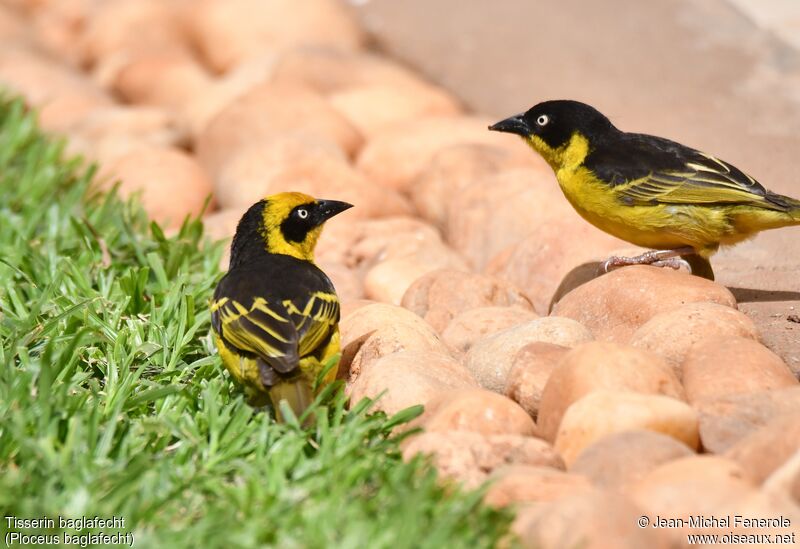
pixel 275 314
pixel 648 190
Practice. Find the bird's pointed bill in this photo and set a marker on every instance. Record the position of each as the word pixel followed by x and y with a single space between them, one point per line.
pixel 514 124
pixel 328 208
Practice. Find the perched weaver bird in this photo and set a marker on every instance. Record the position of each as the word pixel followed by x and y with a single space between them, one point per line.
pixel 647 190
pixel 275 314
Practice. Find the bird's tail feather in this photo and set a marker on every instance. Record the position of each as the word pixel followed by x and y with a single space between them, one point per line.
pixel 794 208
pixel 297 393
pixel 790 207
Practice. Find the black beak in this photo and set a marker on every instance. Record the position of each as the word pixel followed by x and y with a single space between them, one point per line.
pixel 513 124
pixel 328 208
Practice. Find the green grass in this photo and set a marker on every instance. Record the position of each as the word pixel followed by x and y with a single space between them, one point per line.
pixel 113 401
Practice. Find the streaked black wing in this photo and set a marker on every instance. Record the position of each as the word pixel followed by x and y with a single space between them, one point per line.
pixel 651 170
pixel 258 327
pixel 278 308
pixel 315 318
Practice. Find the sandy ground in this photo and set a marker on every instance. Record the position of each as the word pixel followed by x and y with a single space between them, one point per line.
pixel 718 75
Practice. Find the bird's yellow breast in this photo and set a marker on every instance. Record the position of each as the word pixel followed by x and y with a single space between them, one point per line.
pixel 659 226
pixel 592 198
pixel 598 203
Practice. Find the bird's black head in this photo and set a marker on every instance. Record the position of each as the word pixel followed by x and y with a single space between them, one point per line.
pixel 286 223
pixel 554 123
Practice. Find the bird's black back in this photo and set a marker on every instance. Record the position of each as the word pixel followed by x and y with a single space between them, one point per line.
pixel 620 157
pixel 275 277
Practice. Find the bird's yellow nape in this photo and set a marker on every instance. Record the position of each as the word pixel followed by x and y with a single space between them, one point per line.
pixel 276 212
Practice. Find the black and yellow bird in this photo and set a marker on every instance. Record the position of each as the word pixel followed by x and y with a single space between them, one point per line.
pixel 648 190
pixel 275 314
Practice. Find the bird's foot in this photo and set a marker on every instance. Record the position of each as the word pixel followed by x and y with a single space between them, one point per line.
pixel 657 258
pixel 676 263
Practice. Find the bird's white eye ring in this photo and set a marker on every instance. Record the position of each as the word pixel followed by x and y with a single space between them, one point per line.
pixel 543 119
pixel 302 213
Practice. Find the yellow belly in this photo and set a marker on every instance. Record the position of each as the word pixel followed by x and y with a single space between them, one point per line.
pixel 658 226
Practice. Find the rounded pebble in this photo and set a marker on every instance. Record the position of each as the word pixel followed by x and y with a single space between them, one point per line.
pixel 604 412
pixel 615 305
pixel 490 358
pixel 602 365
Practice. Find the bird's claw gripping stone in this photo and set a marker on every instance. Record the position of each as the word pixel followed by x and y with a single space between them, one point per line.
pixel 657 258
